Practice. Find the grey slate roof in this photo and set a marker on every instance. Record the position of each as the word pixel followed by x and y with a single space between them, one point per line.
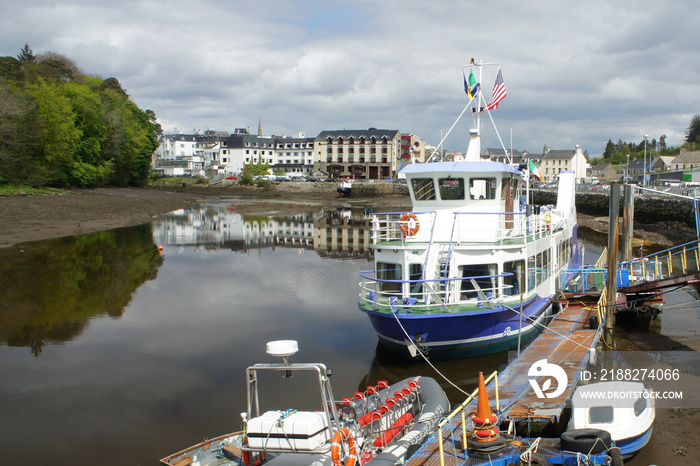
pixel 356 133
pixel 559 154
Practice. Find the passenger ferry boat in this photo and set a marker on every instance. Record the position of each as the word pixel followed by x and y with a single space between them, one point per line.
pixel 474 267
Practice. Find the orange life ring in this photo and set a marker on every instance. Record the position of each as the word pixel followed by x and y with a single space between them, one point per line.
pixel 338 439
pixel 404 225
pixel 478 421
pixel 482 434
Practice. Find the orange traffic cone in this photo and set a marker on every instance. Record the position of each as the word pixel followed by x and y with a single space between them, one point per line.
pixel 484 420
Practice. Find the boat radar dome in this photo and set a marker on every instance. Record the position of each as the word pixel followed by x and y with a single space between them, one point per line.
pixel 282 348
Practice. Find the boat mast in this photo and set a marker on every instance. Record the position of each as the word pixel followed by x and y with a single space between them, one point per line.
pixel 474 148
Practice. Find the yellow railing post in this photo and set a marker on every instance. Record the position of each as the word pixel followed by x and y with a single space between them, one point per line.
pixel 670 264
pixel 684 261
pixel 463 419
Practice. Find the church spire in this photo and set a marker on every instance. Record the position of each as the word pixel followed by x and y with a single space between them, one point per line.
pixel 260 127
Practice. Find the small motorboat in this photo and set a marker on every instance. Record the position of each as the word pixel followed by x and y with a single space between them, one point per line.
pixel 381 426
pixel 623 409
pixel 345 187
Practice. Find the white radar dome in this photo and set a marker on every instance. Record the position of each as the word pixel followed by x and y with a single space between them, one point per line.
pixel 282 348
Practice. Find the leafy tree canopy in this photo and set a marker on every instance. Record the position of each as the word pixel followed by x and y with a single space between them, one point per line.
pixel 61 128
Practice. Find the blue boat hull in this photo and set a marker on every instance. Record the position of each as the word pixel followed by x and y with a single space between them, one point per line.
pixel 461 334
pixel 631 446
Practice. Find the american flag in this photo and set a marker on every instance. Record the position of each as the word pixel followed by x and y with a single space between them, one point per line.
pixel 499 92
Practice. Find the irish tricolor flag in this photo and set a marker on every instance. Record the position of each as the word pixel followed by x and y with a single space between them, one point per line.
pixel 533 170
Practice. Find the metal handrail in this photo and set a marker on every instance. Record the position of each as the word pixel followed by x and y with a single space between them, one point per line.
pixel 460 410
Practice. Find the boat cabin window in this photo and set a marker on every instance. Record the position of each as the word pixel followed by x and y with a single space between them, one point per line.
pixel 639 406
pixel 513 284
pixel 509 188
pixel 423 189
pixel 531 273
pixel 485 277
pixel 600 415
pixel 387 271
pixel 451 188
pixel 482 188
pixel 415 275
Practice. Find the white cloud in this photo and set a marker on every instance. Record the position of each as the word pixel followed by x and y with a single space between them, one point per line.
pixel 585 72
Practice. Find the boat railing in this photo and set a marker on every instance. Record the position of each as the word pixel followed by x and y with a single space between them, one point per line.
pixel 466 227
pixel 390 226
pixel 586 280
pixel 398 296
pixel 677 261
pixel 322 373
pixel 460 415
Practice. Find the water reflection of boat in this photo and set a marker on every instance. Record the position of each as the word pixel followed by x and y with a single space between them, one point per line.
pixel 474 267
pixel 460 375
pixel 381 426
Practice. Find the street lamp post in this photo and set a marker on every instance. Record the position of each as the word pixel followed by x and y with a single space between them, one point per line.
pixel 644 168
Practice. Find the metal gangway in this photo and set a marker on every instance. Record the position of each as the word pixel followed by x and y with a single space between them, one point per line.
pixel 675 266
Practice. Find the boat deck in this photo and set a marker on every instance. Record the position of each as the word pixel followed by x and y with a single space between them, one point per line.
pixel 565 342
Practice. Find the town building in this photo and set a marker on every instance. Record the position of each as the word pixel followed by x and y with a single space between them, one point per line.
pixel 185 154
pixel 290 154
pixel 686 160
pixel 604 172
pixel 500 155
pixel 662 164
pixel 557 161
pixel 366 154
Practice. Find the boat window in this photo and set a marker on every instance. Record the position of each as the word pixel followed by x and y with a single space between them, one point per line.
pixel 485 277
pixel 451 188
pixel 531 272
pixel 508 189
pixel 423 189
pixel 482 188
pixel 388 271
pixel 513 284
pixel 415 275
pixel 639 406
pixel 600 415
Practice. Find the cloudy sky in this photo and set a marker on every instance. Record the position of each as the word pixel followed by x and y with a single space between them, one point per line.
pixel 575 72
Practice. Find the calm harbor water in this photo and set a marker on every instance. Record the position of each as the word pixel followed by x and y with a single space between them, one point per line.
pixel 112 353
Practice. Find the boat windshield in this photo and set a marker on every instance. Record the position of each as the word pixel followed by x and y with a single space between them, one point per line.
pixel 482 188
pixel 451 188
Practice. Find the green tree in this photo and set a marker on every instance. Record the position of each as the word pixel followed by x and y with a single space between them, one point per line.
pixel 26 55
pixel 609 150
pixel 693 131
pixel 59 135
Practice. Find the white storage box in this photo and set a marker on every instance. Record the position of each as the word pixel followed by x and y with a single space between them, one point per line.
pixel 303 430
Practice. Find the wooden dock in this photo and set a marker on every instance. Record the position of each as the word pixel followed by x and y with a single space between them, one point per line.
pixel 565 342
